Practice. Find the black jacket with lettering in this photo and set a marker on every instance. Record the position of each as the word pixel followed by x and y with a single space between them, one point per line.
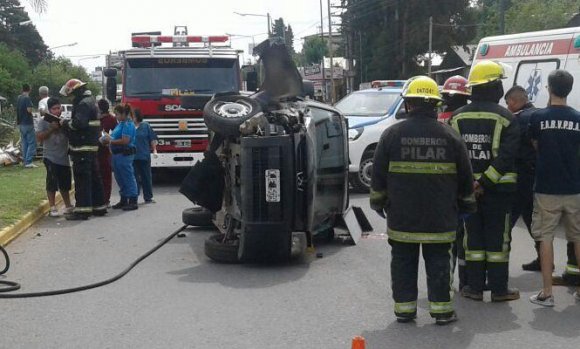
pixel 422 178
pixel 492 138
pixel 84 127
pixel 526 158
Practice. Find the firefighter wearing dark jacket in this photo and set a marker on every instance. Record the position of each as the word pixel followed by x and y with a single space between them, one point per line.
pixel 517 101
pixel 83 131
pixel 492 138
pixel 422 179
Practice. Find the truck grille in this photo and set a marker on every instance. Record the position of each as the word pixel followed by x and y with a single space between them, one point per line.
pixel 185 127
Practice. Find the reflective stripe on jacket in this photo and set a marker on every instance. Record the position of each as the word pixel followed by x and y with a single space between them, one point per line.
pixel 422 178
pixel 492 139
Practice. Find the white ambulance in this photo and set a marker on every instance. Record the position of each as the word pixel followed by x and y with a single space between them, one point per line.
pixel 530 57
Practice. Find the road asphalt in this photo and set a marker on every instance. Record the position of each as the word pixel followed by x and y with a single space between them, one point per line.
pixel 179 299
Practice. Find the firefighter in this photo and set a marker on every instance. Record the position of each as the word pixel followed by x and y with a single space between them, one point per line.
pixel 422 179
pixel 517 101
pixel 455 95
pixel 83 130
pixel 492 138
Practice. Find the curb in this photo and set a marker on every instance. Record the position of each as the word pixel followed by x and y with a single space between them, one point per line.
pixel 13 231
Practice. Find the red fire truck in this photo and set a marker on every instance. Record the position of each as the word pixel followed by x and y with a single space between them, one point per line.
pixel 155 77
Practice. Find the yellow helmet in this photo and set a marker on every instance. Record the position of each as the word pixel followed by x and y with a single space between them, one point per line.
pixel 485 72
pixel 422 87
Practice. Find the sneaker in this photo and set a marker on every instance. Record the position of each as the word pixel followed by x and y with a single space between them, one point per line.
pixel 405 319
pixel 511 295
pixel 532 266
pixel 446 320
pixel 540 299
pixel 119 205
pixel 53 212
pixel 468 292
pixel 30 166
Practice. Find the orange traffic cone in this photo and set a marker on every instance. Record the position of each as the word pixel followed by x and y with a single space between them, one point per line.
pixel 358 342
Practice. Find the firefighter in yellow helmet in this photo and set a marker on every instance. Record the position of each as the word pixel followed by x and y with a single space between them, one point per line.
pixel 422 180
pixel 84 130
pixel 492 138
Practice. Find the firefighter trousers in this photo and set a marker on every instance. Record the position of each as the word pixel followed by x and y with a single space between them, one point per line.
pixel 488 238
pixel 88 183
pixel 404 271
pixel 572 273
pixel 459 254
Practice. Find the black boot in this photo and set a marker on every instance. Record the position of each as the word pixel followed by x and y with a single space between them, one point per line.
pixel 532 266
pixel 119 205
pixel 131 205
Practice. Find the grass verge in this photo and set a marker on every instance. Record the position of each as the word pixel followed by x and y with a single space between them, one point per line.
pixel 21 190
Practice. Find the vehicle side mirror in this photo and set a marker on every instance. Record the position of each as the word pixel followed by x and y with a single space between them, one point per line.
pixel 110 72
pixel 111 89
pixel 401 113
pixel 308 88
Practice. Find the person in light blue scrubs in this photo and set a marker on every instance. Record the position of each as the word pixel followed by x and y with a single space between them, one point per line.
pixel 122 142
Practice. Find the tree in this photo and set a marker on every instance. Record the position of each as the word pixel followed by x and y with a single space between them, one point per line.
pixel 39 5
pixel 280 30
pixel 14 70
pixel 532 15
pixel 395 33
pixel 17 35
pixel 314 50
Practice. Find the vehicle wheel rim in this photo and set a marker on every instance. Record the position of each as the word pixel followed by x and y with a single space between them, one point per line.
pixel 236 109
pixel 365 172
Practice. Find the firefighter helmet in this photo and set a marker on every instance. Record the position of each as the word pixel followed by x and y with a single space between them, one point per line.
pixel 456 85
pixel 70 86
pixel 422 87
pixel 485 72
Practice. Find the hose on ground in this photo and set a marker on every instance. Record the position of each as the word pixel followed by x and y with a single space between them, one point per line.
pixel 13 286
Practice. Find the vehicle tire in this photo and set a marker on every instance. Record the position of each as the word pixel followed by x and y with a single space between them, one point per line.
pixel 197 217
pixel 225 114
pixel 219 251
pixel 361 181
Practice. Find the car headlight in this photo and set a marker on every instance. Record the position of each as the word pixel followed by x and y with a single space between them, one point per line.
pixel 355 133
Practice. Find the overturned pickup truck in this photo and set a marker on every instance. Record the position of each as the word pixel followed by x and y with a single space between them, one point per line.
pixel 277 165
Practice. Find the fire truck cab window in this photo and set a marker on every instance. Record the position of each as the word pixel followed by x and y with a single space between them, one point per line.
pixel 193 75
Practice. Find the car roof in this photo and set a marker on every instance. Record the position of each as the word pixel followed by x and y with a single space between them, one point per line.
pixel 388 90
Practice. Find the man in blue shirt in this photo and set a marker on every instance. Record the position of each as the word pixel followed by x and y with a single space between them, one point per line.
pixel 555 132
pixel 25 124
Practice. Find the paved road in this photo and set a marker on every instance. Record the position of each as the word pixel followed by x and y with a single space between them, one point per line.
pixel 179 299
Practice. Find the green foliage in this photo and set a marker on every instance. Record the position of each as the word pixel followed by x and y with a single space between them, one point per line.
pixel 314 49
pixel 280 30
pixel 393 34
pixel 22 37
pixel 14 70
pixel 532 15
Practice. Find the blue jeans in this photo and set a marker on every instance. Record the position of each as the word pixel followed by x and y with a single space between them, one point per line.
pixel 28 142
pixel 125 175
pixel 143 176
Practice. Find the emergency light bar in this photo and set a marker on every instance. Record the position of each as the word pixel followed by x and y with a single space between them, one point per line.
pixel 148 40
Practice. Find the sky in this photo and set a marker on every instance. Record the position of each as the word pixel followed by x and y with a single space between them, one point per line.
pixel 99 27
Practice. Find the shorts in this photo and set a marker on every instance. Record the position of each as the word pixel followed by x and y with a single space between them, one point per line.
pixel 58 177
pixel 550 210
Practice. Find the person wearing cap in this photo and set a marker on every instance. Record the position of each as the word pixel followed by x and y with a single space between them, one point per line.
pixel 422 179
pixel 55 158
pixel 455 95
pixel 83 130
pixel 43 102
pixel 492 138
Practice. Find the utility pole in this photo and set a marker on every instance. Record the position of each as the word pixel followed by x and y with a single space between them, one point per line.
pixel 430 45
pixel 330 54
pixel 269 25
pixel 324 94
pixel 501 17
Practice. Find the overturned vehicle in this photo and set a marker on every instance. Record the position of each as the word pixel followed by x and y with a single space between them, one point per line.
pixel 277 164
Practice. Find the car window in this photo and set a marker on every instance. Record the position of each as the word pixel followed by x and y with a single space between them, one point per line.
pixel 367 103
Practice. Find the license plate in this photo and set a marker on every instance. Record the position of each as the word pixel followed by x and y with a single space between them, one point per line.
pixel 183 144
pixel 272 185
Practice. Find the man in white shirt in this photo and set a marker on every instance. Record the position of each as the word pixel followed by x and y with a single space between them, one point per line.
pixel 42 104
